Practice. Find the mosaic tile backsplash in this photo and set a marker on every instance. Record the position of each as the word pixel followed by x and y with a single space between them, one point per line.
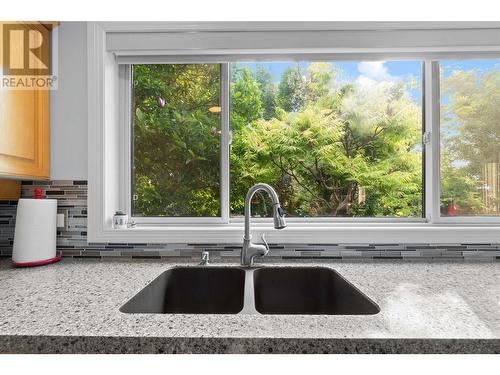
pixel 72 240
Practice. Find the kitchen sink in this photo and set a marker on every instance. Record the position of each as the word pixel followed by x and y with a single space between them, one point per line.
pixel 251 290
pixel 191 290
pixel 308 291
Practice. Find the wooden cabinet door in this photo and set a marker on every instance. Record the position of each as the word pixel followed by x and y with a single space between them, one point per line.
pixel 10 189
pixel 24 130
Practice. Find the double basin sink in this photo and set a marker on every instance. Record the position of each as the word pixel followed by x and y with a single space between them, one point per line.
pixel 261 290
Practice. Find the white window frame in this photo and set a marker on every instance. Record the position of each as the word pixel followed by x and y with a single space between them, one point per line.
pixel 110 137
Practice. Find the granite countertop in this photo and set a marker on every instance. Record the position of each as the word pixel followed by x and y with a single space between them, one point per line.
pixel 73 306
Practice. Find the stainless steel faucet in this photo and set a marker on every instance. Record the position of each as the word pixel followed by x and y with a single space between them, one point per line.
pixel 250 250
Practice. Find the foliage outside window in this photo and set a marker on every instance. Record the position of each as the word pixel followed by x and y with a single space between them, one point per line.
pixel 176 140
pixel 470 138
pixel 336 139
pixel 332 144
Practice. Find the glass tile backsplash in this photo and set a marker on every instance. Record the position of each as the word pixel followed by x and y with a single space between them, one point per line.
pixel 72 240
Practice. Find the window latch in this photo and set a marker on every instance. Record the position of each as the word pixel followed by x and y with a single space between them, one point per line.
pixel 426 138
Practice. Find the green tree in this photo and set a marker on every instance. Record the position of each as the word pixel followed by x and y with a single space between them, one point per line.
pixel 458 188
pixel 267 92
pixel 297 89
pixel 367 140
pixel 291 89
pixel 471 141
pixel 329 150
pixel 176 168
pixel 246 107
pixel 246 102
pixel 319 76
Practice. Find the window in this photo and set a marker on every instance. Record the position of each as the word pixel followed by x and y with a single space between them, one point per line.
pixel 176 140
pixel 335 139
pixel 368 136
pixel 470 138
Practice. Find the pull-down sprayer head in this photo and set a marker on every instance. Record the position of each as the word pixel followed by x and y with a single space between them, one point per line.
pixel 278 217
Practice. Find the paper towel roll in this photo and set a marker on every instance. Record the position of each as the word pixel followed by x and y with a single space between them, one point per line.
pixel 35 233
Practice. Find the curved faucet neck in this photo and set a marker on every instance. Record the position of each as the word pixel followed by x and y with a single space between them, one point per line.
pixel 248 203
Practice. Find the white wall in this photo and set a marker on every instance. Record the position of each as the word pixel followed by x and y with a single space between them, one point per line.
pixel 68 106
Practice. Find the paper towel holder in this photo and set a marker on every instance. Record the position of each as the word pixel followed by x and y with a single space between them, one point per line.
pixel 35 232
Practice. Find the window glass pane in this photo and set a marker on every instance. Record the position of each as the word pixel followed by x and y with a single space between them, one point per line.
pixel 470 138
pixel 333 138
pixel 176 140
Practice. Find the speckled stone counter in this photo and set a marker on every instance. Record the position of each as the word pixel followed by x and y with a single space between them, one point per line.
pixel 73 307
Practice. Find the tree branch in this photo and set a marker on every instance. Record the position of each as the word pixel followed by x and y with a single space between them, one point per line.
pixel 297 180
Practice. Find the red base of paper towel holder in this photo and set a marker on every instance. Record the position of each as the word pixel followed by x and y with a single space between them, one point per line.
pixel 37 263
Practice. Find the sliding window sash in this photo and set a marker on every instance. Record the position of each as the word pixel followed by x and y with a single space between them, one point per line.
pixel 126 152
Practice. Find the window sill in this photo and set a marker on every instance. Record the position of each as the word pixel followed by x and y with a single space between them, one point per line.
pixel 359 233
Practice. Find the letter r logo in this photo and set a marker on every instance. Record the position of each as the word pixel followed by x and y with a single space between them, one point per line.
pixel 26 49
